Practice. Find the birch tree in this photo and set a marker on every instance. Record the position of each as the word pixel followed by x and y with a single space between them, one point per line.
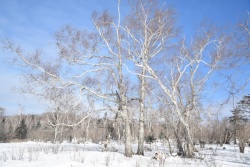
pixel 242 37
pixel 112 38
pixel 87 62
pixel 183 68
pixel 146 26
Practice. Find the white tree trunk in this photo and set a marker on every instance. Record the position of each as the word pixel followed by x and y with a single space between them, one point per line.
pixel 140 149
pixel 128 147
pixel 55 135
pixel 189 147
pixel 87 130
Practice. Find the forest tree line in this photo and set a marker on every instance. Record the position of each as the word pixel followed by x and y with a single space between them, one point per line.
pixel 234 129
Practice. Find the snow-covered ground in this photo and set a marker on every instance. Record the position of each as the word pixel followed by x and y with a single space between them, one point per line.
pixel 38 154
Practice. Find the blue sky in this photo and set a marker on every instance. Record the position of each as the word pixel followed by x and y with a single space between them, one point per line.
pixel 32 23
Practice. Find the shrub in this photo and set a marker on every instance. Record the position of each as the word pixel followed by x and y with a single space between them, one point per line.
pixel 150 138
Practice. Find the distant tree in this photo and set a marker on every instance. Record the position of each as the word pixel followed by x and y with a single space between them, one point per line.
pixel 21 130
pixel 54 121
pixel 2 125
pixel 239 121
pixel 2 130
pixel 2 110
pixel 38 125
pixel 245 104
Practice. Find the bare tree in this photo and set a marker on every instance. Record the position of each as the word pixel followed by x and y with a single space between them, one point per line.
pixel 112 37
pixel 53 121
pixel 147 25
pixel 99 56
pixel 61 105
pixel 184 69
pixel 242 36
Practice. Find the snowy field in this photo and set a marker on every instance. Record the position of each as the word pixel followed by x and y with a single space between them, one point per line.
pixel 38 154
